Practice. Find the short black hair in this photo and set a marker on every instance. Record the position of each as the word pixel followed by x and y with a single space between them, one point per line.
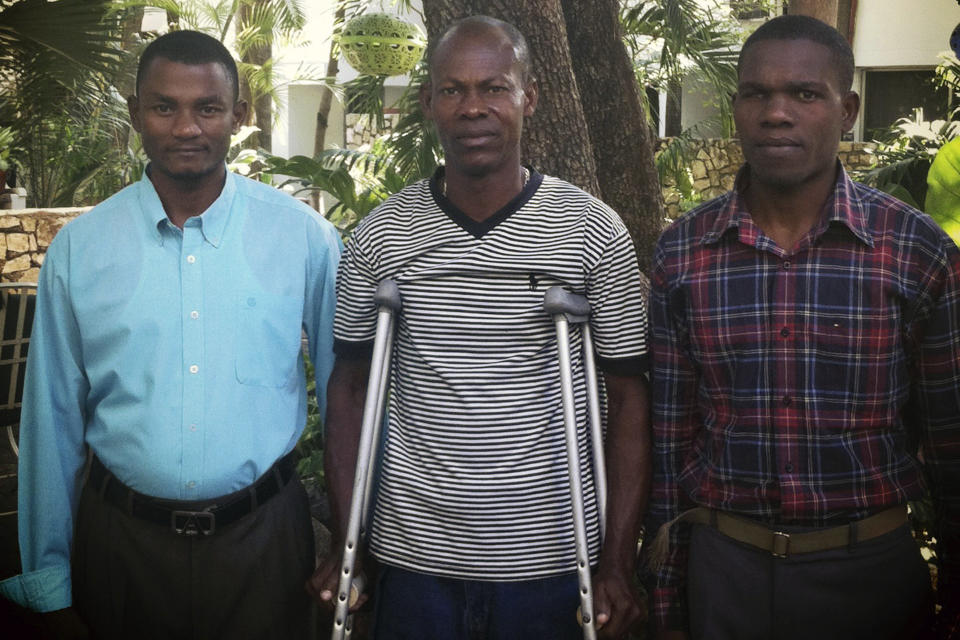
pixel 189 47
pixel 479 23
pixel 797 27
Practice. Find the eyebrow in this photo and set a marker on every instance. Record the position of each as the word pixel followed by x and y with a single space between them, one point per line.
pixel 209 99
pixel 808 85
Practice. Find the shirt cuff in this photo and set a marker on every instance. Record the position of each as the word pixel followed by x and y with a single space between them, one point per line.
pixel 353 350
pixel 635 366
pixel 46 589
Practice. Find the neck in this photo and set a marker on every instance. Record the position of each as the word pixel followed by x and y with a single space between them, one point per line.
pixel 479 197
pixel 786 215
pixel 182 198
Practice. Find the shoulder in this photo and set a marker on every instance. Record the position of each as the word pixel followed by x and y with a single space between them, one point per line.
pixel 400 210
pixel 892 221
pixel 105 220
pixel 561 198
pixel 276 203
pixel 696 222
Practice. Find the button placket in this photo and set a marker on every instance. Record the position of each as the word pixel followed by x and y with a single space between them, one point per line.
pixel 194 366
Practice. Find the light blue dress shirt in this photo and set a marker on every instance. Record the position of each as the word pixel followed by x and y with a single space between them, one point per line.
pixel 174 355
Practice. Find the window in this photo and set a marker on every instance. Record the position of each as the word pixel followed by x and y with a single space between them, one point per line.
pixel 891 95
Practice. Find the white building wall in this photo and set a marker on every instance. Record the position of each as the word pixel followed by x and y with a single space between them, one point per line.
pixel 903 33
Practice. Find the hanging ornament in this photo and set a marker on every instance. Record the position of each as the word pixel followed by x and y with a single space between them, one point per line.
pixel 379 44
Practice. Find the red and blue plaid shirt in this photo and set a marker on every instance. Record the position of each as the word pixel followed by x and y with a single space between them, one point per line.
pixel 812 386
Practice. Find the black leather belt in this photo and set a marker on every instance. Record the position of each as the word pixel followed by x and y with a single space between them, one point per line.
pixel 190 518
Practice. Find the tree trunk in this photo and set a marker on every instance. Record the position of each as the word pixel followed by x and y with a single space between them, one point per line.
pixel 590 128
pixel 613 106
pixel 261 106
pixel 326 98
pixel 555 139
pixel 823 10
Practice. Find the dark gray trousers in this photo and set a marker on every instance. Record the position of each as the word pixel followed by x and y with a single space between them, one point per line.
pixel 136 579
pixel 878 589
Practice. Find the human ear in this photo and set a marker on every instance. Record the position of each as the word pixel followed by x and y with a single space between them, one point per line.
pixel 851 107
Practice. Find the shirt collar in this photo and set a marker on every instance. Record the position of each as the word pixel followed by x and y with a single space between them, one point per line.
pixel 841 206
pixel 212 221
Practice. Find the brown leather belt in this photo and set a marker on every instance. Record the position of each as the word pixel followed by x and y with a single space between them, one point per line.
pixel 782 544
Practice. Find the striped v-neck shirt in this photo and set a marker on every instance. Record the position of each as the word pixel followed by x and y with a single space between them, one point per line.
pixel 473 481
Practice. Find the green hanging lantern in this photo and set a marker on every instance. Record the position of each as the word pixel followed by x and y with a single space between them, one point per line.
pixel 382 45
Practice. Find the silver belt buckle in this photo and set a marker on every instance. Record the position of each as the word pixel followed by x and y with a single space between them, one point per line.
pixel 781 544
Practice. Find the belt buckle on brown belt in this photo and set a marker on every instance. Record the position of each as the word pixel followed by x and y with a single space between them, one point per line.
pixel 191 523
pixel 781 544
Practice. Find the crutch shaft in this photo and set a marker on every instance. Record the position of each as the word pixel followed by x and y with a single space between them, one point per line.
pixel 576 483
pixel 566 308
pixel 388 300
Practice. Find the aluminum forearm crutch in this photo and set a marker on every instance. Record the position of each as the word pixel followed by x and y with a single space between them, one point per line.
pixel 567 308
pixel 389 303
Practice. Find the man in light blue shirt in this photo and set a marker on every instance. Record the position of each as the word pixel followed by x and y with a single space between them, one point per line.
pixel 167 342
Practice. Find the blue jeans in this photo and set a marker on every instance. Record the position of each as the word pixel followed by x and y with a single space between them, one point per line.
pixel 416 606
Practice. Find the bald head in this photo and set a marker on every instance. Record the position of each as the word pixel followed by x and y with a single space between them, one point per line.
pixel 487 29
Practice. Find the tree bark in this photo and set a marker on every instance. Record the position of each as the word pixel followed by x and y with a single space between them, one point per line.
pixel 612 104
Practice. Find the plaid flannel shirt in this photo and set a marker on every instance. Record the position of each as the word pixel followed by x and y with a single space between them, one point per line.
pixel 810 387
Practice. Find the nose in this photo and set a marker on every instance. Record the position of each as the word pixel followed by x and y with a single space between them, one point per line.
pixel 472 105
pixel 185 125
pixel 776 110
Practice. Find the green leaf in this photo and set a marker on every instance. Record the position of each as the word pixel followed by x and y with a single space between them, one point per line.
pixel 943 188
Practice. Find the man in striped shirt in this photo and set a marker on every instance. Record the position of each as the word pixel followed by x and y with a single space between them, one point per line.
pixel 472 523
pixel 806 349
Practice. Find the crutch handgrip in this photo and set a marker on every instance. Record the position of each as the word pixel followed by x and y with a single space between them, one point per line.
pixel 388 295
pixel 560 301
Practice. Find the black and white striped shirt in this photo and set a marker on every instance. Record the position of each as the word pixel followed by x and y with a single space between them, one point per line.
pixel 473 482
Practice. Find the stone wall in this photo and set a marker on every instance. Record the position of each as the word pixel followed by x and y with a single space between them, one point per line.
pixel 26 234
pixel 715 164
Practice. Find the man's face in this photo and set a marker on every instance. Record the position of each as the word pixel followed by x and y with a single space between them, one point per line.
pixel 477 99
pixel 185 114
pixel 790 112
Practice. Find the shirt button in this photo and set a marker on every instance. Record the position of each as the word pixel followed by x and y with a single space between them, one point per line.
pixel 194 314
pixel 788 468
pixel 191 259
pixel 193 427
pixel 787 400
pixel 784 332
pixel 194 368
pixel 786 264
pixel 191 484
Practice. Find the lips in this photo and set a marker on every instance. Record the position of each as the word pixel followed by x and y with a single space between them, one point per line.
pixel 475 138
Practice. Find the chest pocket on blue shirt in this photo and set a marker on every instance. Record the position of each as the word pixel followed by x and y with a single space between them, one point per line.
pixel 268 339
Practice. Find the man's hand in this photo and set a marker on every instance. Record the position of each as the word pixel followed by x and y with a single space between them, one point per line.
pixel 325 582
pixel 615 603
pixel 62 624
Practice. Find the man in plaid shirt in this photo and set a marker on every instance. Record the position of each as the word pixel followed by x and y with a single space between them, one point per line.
pixel 806 379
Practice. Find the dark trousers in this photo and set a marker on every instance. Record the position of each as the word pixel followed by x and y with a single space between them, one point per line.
pixel 416 606
pixel 137 579
pixel 878 589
